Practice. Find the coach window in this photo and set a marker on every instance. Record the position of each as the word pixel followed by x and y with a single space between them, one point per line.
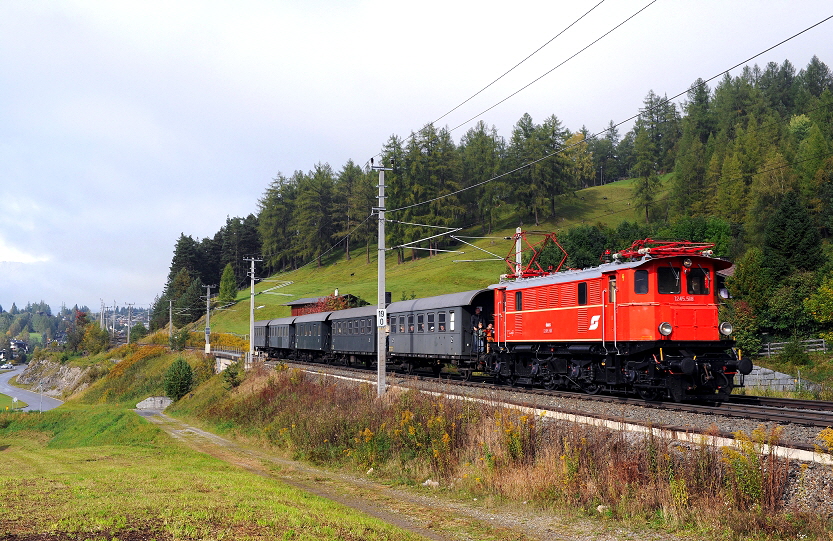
pixel 668 280
pixel 640 282
pixel 451 321
pixel 410 323
pixel 698 282
pixel 392 324
pixel 441 321
pixel 402 324
pixel 582 293
pixel 362 327
pixel 420 322
pixel 519 305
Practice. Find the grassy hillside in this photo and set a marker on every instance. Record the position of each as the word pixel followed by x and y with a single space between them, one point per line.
pixel 425 276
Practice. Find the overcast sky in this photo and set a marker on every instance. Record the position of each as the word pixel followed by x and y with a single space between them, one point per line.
pixel 123 124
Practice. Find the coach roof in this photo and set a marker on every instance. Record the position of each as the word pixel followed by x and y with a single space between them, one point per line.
pixel 430 303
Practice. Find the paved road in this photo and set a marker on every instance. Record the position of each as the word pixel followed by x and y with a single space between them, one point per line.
pixel 36 401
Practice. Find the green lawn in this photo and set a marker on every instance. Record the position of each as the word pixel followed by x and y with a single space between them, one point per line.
pixel 60 475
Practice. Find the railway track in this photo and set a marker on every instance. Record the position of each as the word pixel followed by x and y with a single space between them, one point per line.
pixel 806 413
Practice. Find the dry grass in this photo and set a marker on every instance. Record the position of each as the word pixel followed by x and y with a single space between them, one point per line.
pixel 491 452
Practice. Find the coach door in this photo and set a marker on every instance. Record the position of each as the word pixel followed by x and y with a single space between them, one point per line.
pixel 610 316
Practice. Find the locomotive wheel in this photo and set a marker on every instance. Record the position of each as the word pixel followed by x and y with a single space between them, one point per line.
pixel 647 394
pixel 591 388
pixel 549 383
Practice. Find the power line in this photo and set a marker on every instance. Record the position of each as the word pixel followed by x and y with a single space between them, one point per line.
pixel 539 78
pixel 659 104
pixel 516 65
pixel 555 68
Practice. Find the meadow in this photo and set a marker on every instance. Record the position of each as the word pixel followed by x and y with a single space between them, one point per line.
pixel 103 473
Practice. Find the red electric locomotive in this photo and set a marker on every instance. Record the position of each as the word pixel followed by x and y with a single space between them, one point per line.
pixel 646 322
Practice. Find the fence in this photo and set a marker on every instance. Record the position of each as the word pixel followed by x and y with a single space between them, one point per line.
pixel 775 348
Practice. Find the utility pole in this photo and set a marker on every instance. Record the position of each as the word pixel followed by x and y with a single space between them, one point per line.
pixel 519 247
pixel 251 310
pixel 381 312
pixel 208 319
pixel 129 320
pixel 170 319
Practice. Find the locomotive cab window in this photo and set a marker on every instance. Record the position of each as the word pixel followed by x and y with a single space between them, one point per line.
pixel 640 282
pixel 518 301
pixel 582 293
pixel 698 282
pixel 668 280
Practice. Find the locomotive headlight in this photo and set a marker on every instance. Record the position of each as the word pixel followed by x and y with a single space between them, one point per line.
pixel 726 328
pixel 686 262
pixel 665 328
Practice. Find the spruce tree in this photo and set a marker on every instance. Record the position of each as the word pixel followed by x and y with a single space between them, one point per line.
pixel 791 243
pixel 228 286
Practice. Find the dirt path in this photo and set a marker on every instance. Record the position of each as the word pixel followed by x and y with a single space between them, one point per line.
pixel 430 516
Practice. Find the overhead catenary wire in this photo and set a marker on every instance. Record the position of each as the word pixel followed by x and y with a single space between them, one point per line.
pixel 512 69
pixel 507 72
pixel 659 104
pixel 547 156
pixel 555 68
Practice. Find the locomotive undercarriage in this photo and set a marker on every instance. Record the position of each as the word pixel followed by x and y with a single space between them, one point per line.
pixel 655 370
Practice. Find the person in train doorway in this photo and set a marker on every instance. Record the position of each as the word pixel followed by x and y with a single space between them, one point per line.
pixel 490 337
pixel 477 329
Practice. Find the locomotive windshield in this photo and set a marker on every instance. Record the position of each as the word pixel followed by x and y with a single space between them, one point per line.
pixel 698 282
pixel 668 280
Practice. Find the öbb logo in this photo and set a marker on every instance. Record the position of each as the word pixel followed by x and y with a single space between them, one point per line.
pixel 594 323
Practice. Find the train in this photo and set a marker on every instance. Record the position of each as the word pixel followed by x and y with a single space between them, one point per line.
pixel 644 322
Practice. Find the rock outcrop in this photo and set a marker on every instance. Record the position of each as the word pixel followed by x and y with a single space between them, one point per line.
pixel 58 380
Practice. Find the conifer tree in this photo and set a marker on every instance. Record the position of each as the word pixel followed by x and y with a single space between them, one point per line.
pixel 228 286
pixel 791 244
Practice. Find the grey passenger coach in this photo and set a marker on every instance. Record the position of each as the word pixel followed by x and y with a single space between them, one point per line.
pixel 312 335
pixel 354 334
pixel 426 332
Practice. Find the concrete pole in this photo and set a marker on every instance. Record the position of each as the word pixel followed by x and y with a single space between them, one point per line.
pixel 129 320
pixel 251 310
pixel 381 312
pixel 208 319
pixel 519 247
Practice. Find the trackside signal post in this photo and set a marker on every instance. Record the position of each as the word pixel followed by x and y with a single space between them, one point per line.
pixel 381 311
